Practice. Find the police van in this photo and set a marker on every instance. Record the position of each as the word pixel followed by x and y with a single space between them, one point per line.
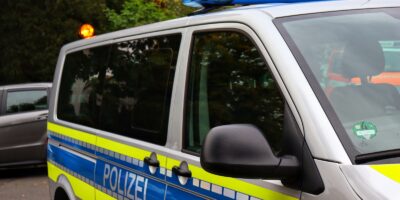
pixel 235 103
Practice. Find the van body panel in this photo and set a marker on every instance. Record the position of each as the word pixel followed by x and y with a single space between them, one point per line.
pixel 209 185
pixel 72 159
pixel 336 184
pixel 374 181
pixel 78 166
pixel 102 166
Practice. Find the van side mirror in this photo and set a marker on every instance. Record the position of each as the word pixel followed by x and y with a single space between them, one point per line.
pixel 241 151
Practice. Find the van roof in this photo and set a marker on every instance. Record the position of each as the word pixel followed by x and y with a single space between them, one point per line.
pixel 26 85
pixel 238 13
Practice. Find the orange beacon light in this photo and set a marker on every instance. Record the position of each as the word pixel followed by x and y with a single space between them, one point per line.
pixel 86 31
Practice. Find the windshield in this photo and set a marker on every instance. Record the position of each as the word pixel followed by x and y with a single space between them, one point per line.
pixel 355 58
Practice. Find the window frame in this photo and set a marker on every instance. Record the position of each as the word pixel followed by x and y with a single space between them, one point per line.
pixel 3 110
pixel 248 34
pixel 1 102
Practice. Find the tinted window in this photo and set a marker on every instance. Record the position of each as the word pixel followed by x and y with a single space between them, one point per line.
pixel 81 87
pixel 137 89
pixel 124 88
pixel 23 101
pixel 230 84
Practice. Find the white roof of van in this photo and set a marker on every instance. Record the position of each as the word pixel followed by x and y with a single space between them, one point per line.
pixel 272 10
pixel 26 85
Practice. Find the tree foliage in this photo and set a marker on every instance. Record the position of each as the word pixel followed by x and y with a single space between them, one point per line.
pixel 140 12
pixel 32 33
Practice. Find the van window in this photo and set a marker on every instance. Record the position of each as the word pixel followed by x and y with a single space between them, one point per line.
pixel 124 88
pixel 355 72
pixel 229 83
pixel 138 86
pixel 81 87
pixel 24 101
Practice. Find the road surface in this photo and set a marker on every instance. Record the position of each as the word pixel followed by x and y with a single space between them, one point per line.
pixel 28 183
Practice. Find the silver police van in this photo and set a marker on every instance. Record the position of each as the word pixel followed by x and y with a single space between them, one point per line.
pixel 268 101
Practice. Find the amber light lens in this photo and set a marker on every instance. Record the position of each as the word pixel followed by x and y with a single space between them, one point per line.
pixel 86 31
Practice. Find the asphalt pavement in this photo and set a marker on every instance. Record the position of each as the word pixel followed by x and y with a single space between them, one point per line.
pixel 24 183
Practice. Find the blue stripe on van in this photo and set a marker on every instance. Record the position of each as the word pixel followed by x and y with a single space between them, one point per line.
pixel 204 188
pixel 122 183
pixel 71 161
pixel 130 162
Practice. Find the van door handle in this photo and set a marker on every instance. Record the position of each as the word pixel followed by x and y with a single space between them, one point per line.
pixel 182 170
pixel 152 160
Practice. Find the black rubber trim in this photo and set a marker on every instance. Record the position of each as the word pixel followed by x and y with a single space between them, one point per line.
pixel 364 158
pixel 309 179
pixel 2 104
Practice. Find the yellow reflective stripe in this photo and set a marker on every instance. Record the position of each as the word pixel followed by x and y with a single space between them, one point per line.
pixel 128 150
pixel 103 196
pixel 391 171
pixel 111 145
pixel 172 162
pixel 80 188
pixel 232 183
pixel 75 134
pixel 53 172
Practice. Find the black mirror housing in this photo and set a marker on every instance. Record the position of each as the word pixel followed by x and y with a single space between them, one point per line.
pixel 241 151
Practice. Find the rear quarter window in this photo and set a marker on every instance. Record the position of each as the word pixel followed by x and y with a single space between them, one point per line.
pixel 124 88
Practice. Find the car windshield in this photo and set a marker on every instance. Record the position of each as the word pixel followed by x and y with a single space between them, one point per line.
pixel 354 57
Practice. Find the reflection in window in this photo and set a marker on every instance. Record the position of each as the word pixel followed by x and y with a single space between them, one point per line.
pixel 230 84
pixel 357 66
pixel 138 86
pixel 81 86
pixel 24 101
pixel 123 88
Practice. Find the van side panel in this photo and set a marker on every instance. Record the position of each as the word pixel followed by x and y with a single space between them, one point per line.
pixel 120 90
pixel 106 174
pixel 73 157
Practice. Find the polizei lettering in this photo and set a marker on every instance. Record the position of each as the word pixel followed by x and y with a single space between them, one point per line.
pixel 124 182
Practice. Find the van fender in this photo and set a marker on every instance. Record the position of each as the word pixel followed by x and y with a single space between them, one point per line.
pixel 63 182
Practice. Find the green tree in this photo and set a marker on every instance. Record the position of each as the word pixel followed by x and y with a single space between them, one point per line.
pixel 32 33
pixel 140 12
